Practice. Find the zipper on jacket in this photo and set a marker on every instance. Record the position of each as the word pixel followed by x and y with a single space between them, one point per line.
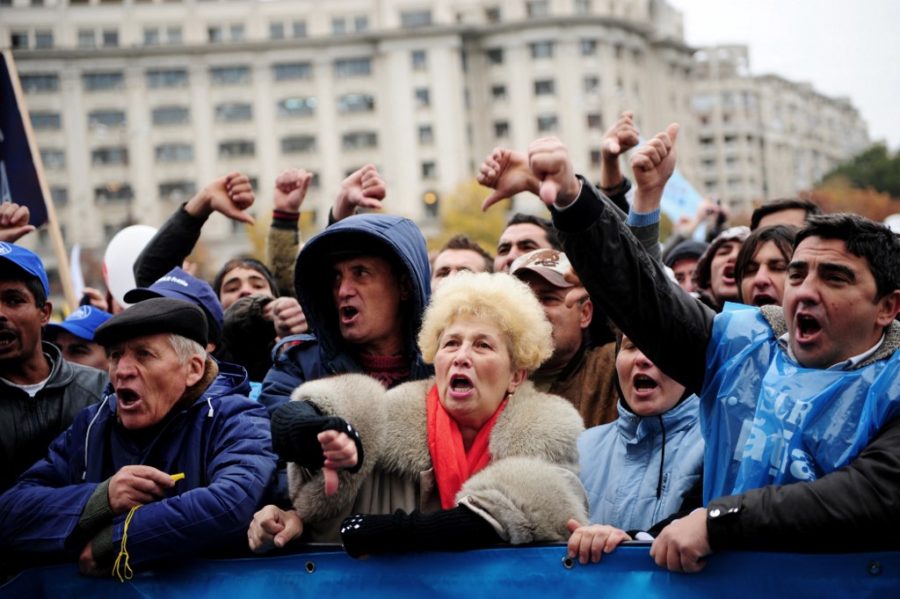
pixel 662 459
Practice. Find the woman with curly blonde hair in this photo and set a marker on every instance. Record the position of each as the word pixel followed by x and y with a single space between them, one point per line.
pixel 469 458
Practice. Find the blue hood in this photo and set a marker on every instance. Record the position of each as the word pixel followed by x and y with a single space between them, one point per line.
pixel 384 235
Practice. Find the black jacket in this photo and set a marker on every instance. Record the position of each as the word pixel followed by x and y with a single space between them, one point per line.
pixel 28 425
pixel 854 508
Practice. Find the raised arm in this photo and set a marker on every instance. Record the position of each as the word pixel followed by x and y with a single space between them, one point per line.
pixel 632 289
pixel 364 188
pixel 230 195
pixel 283 242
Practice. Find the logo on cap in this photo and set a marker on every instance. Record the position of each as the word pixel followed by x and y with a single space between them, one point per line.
pixel 80 314
pixel 5 248
pixel 171 279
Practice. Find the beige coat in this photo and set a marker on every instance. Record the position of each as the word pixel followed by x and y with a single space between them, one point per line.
pixel 527 492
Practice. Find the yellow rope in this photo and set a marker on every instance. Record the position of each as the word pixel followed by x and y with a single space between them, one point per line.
pixel 121 568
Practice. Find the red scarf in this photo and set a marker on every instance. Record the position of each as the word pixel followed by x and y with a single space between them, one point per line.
pixel 453 465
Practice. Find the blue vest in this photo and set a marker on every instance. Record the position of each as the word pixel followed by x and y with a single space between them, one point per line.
pixel 768 420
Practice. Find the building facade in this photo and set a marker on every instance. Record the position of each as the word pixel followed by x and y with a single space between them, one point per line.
pixel 763 137
pixel 136 103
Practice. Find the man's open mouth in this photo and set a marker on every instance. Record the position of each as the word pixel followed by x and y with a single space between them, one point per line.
pixel 807 326
pixel 642 382
pixel 7 337
pixel 127 398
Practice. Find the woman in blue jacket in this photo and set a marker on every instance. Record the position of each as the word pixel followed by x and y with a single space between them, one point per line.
pixel 637 469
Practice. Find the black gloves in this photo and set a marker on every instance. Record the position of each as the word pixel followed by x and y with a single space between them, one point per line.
pixel 295 429
pixel 447 530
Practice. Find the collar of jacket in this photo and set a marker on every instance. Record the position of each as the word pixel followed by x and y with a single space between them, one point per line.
pixel 635 429
pixel 774 315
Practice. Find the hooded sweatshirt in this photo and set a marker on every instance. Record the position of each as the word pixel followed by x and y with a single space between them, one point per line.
pixel 323 352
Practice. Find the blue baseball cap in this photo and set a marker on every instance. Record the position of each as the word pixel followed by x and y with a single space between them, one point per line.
pixel 27 261
pixel 178 284
pixel 82 322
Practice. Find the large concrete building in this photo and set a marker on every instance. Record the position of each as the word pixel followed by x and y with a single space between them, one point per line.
pixel 136 103
pixel 763 137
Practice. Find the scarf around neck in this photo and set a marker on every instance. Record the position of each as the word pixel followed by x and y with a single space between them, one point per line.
pixel 453 465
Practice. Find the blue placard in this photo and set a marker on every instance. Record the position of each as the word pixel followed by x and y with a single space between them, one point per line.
pixel 18 175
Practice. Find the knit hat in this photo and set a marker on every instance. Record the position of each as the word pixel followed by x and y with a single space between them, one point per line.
pixel 689 248
pixel 552 265
pixel 27 261
pixel 82 323
pixel 152 316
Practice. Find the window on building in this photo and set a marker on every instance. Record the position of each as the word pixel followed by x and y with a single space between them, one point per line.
pixel 338 25
pixel 174 36
pixel 541 50
pixel 590 84
pixel 426 135
pixel 498 92
pixel 214 34
pixel 113 192
pixel 356 140
pixel 360 23
pixel 588 47
pixel 98 119
pixel 171 115
pixel 276 31
pixel 352 67
pixel 544 87
pixel 536 9
pixel 237 32
pixel 43 39
pixel 596 158
pixel 174 152
pixel 419 60
pixel 109 156
pixel 237 148
pixel 350 103
pixel 501 129
pixel 151 36
pixel 298 29
pixel 110 38
pixel 547 122
pixel 19 40
pixel 298 144
pixel 177 191
pixel 494 56
pixel 53 158
pixel 161 78
pixel 415 18
pixel 39 83
pixel 59 195
pixel 234 112
pixel 582 7
pixel 291 71
pixel 297 106
pixel 233 75
pixel 594 120
pixel 103 81
pixel 423 97
pixel 492 14
pixel 429 169
pixel 87 38
pixel 46 121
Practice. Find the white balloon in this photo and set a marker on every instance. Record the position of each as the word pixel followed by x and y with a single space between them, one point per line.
pixel 893 222
pixel 120 256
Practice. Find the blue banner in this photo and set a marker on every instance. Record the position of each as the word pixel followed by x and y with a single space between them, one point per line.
pixel 520 572
pixel 18 176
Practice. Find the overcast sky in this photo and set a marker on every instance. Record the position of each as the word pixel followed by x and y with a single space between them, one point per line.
pixel 843 47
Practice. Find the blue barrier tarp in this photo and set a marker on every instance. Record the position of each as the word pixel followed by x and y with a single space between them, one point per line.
pixel 509 572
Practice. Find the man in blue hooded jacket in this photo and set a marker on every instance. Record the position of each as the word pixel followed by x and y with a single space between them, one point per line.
pixel 172 463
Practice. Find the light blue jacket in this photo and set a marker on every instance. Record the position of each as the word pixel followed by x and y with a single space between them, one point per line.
pixel 637 470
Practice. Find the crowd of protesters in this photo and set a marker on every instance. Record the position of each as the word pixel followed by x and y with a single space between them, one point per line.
pixel 737 388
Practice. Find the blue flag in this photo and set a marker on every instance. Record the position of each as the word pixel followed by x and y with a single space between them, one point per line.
pixel 19 181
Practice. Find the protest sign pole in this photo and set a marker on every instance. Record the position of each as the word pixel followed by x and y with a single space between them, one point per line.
pixel 59 248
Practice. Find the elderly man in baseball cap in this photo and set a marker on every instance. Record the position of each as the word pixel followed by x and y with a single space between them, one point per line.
pixel 172 463
pixel 582 374
pixel 41 391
